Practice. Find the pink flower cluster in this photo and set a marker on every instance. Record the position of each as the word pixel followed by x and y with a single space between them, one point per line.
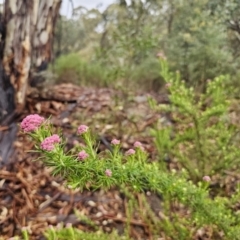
pixel 168 85
pixel 48 143
pixel 82 129
pixel 115 141
pixel 138 145
pixel 31 122
pixel 69 225
pixel 206 179
pixel 130 152
pixel 82 155
pixel 161 55
pixel 108 172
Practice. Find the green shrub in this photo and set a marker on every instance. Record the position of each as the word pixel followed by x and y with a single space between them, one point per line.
pixel 83 167
pixel 72 68
pixel 197 45
pixel 203 138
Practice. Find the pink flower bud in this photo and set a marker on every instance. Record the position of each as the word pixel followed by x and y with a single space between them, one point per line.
pixel 206 179
pixel 24 228
pixel 59 226
pixel 82 129
pixel 130 152
pixel 31 122
pixel 82 155
pixel 161 55
pixel 115 141
pixel 168 85
pixel 191 125
pixel 51 227
pixel 75 142
pixel 49 142
pixel 137 144
pixel 108 172
pixel 68 225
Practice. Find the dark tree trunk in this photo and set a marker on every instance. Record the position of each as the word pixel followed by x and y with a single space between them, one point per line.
pixel 28 42
pixel 26 38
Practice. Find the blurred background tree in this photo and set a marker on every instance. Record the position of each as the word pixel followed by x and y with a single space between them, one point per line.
pixel 118 46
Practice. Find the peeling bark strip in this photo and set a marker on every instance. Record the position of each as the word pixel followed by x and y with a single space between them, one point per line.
pixel 29 38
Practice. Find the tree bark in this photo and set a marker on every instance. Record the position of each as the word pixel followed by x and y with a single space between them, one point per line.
pixel 28 42
pixel 26 38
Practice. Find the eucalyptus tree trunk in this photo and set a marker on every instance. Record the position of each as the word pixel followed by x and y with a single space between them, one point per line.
pixel 26 42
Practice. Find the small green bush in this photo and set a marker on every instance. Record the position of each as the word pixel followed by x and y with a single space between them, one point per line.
pixel 202 139
pixel 72 68
pixel 83 167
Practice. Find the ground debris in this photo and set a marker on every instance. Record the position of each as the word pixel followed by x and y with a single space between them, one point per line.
pixel 30 197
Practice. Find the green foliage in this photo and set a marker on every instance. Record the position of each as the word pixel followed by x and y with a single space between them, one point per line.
pixel 72 68
pixel 202 139
pixel 75 234
pixel 137 173
pixel 199 50
pixel 73 35
pixel 129 45
pixel 146 74
pixel 200 39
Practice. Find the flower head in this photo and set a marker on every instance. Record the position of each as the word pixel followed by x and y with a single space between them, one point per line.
pixel 59 226
pixel 51 227
pixel 168 85
pixel 130 152
pixel 137 144
pixel 206 179
pixel 31 122
pixel 82 155
pixel 161 55
pixel 24 228
pixel 82 129
pixel 191 125
pixel 48 143
pixel 108 172
pixel 68 225
pixel 115 141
